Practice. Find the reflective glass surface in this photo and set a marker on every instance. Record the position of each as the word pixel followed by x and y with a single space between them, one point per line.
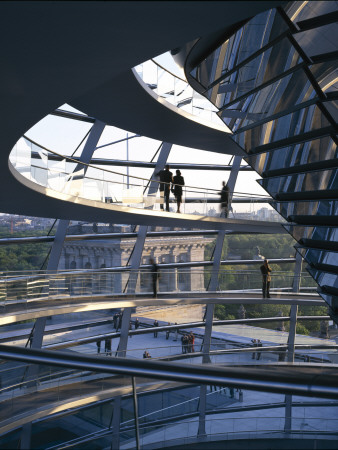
pixel 296 123
pixel 305 183
pixel 316 256
pixel 318 40
pixel 254 35
pixel 275 98
pixel 310 152
pixel 309 208
pixel 267 65
pixel 318 234
pixel 299 11
pixel 324 278
pixel 326 75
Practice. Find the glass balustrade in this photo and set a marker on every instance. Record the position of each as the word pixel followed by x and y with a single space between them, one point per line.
pixel 248 427
pixel 74 180
pixel 22 292
pixel 177 92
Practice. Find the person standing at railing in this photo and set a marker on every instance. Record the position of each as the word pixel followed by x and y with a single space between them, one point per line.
pixel 185 343
pixel 154 276
pixel 265 271
pixel 178 181
pixel 167 334
pixel 254 342
pixel 98 345
pixel 176 333
pixel 107 346
pixel 166 178
pixel 155 324
pixel 259 344
pixel 225 199
pixel 192 342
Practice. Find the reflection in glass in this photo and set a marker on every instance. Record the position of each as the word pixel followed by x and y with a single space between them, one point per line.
pixel 322 181
pixel 250 38
pixel 313 209
pixel 276 98
pixel 296 123
pixel 269 64
pixel 294 156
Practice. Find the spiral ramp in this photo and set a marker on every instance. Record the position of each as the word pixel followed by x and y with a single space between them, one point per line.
pixel 83 55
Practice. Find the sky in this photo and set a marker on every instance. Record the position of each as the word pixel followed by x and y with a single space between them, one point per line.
pixel 63 136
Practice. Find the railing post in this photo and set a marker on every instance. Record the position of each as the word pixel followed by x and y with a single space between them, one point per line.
pixel 290 358
pixel 116 423
pixel 53 262
pixel 209 314
pixel 137 430
pixel 137 253
pixel 297 273
pixel 292 339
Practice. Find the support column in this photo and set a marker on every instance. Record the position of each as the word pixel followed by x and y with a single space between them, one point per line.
pixel 53 262
pixel 116 423
pixel 61 231
pixel 160 163
pixel 137 253
pixel 292 339
pixel 290 358
pixel 137 430
pixel 209 313
pixel 297 273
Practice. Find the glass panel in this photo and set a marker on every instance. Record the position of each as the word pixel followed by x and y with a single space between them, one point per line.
pixel 318 40
pixel 249 39
pixel 323 149
pixel 309 208
pixel 273 62
pixel 273 99
pixel 298 11
pixel 316 256
pixel 329 234
pixel 296 123
pixel 326 75
pixel 321 180
pixel 324 278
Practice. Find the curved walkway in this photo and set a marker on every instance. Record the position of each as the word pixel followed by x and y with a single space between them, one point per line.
pixel 61 304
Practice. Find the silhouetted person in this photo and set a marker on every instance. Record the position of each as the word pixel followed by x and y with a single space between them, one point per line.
pixel 191 339
pixel 185 342
pixel 166 178
pixel 107 346
pixel 175 333
pixel 155 324
pixel 98 344
pixel 259 344
pixel 178 181
pixel 137 323
pixel 154 276
pixel 255 345
pixel 266 278
pixel 119 322
pixel 167 333
pixel 225 199
pixel 115 320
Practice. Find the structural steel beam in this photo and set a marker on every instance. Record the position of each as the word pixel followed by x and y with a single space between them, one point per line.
pixel 310 382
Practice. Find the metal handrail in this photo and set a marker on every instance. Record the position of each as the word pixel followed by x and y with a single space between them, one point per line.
pixel 292 380
pixel 75 161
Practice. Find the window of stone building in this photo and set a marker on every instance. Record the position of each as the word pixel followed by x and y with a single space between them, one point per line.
pixel 87 279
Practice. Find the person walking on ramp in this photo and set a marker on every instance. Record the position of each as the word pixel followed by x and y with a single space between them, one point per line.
pixel 166 178
pixel 266 278
pixel 225 200
pixel 177 190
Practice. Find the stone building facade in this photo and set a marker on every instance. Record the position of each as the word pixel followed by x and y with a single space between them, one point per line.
pixel 101 254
